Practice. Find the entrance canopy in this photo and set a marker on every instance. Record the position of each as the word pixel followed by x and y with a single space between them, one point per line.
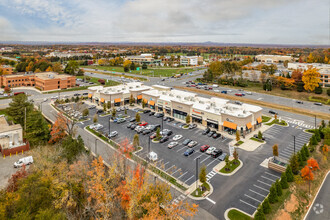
pixel 248 125
pixel 230 125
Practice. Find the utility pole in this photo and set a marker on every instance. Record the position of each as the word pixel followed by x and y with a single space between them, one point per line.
pixel 25 119
pixel 197 173
pixel 148 144
pixel 294 144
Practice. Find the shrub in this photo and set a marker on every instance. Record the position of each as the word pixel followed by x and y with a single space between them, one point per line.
pixel 259 215
pixel 318 90
pixel 102 81
pixel 278 188
pixel 328 92
pixel 294 164
pixel 284 181
pixel 289 174
pixel 266 206
pixel 273 194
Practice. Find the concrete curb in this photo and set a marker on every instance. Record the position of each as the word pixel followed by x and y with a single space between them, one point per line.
pixel 227 211
pixel 310 207
pixel 228 174
pixel 200 198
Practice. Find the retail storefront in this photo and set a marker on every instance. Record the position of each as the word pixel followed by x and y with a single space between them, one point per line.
pixel 168 110
pixel 258 122
pixel 248 127
pixel 212 124
pixel 160 108
pixel 229 126
pixel 139 99
pixel 151 104
pixel 179 114
pixel 117 102
pixel 196 118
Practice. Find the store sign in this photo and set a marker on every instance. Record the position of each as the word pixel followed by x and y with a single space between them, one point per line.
pixel 229 120
pixel 160 102
pixel 196 111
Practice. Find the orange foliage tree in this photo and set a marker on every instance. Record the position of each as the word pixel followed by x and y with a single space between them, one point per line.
pixel 288 83
pixel 58 129
pixel 306 173
pixel 296 75
pixel 13 181
pixel 313 163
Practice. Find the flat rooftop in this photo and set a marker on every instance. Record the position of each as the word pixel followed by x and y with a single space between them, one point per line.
pixel 51 75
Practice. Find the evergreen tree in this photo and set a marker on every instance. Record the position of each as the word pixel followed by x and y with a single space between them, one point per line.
pixel 259 214
pixel 313 140
pixel 278 188
pixel 137 117
pixel 306 151
pixel 294 163
pixel 37 129
pixel 72 148
pixel 284 181
pixel 289 173
pixel 273 194
pixel 266 206
pixel 300 159
pixel 317 135
pixel 17 107
pixel 303 155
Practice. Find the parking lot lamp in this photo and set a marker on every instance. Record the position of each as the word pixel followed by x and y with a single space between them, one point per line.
pixel 109 125
pixel 315 121
pixel 96 146
pixel 162 122
pixel 197 173
pixel 309 180
pixel 294 144
pixel 148 144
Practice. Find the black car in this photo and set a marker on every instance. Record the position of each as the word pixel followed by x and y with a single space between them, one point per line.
pixel 216 135
pixel 206 131
pixel 188 152
pixel 99 111
pixel 86 93
pixel 165 118
pixel 151 113
pixel 191 126
pixel 216 153
pixel 129 125
pixel 299 102
pixel 146 131
pixel 211 133
pixel 163 139
pixel 273 112
pixel 318 103
pixel 186 142
pixel 170 119
pixel 168 132
pixel 132 120
pixel 155 127
pixel 159 115
pixel 146 111
pixel 133 126
pixel 76 94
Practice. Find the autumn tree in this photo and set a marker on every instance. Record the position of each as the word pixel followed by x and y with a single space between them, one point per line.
pixel 29 68
pixel 311 78
pixel 237 136
pixel 57 67
pixel 59 129
pixel 85 112
pixel 131 100
pixel 126 65
pixel 95 118
pixel 136 141
pixel 297 75
pixel 49 69
pixel 14 179
pixel 306 173
pixel 137 117
pixel 202 174
pixel 188 119
pixel 113 113
pixel 313 163
pixel 294 164
pixel 235 155
pixel 275 150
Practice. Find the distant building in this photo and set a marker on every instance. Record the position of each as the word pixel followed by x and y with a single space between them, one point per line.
pixel 6 49
pixel 191 60
pixel 146 58
pixel 324 70
pixel 68 54
pixel 6 70
pixel 273 58
pixel 44 81
pixel 11 138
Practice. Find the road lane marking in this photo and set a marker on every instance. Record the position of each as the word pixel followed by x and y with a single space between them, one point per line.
pixel 248 204
pixel 264 183
pixel 210 200
pixel 257 193
pixel 181 149
pixel 261 188
pixel 176 171
pixel 272 174
pixel 211 162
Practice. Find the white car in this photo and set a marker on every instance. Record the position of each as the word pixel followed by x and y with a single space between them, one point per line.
pixel 54 97
pixel 216 90
pixel 172 144
pixel 113 134
pixel 177 137
pixel 25 160
pixel 248 93
pixel 210 150
pixel 192 143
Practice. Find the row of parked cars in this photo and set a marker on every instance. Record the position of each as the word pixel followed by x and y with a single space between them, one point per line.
pixel 210 133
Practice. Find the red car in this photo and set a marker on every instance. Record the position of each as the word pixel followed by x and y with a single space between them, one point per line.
pixel 204 148
pixel 153 135
pixel 193 85
pixel 239 94
pixel 143 123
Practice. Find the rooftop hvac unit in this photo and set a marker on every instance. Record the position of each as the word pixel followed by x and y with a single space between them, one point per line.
pixel 208 107
pixel 178 96
pixel 51 76
pixel 130 87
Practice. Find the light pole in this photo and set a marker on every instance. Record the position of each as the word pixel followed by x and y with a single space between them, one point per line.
pixel 109 125
pixel 148 144
pixel 197 173
pixel 294 144
pixel 162 122
pixel 309 180
pixel 96 146
pixel 315 122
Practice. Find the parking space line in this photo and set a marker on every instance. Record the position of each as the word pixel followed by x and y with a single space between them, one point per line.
pixel 211 162
pixel 205 159
pixel 248 204
pixel 264 183
pixel 181 149
pixel 176 171
pixel 261 188
pixel 189 178
pixel 166 163
pixel 272 174
pixel 252 198
pixel 268 179
pixel 169 168
pixel 182 175
pixel 257 193
pixel 198 156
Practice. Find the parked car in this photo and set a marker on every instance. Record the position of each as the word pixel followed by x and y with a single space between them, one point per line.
pixel 170 119
pixel 299 102
pixel 203 148
pixel 25 160
pixel 144 123
pixel 206 131
pixel 273 112
pixel 159 115
pixel 238 103
pixel 76 94
pixel 210 150
pixel 172 144
pixel 129 125
pixel 216 135
pixel 132 119
pixel 222 157
pixel 121 120
pixel 113 134
pixel 99 111
pixel 211 133
pixel 238 94
pixel 146 111
pixel 165 118
pixel 189 152
pixel 133 126
pixel 249 93
pixel 151 113
pixel 224 92
pixel 192 144
pixel 318 103
pixel 177 137
pixel 163 139
pixel 216 153
pixel 191 126
pixel 153 135
pixel 92 107
pixel 166 132
pixel 146 131
pixel 186 142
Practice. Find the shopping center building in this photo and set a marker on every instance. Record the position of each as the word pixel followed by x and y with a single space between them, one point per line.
pixel 219 114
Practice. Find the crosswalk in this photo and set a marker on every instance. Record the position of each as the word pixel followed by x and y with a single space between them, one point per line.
pixel 178 199
pixel 300 124
pixel 210 175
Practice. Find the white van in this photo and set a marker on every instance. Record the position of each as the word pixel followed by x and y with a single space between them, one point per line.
pixel 215 86
pixel 25 160
pixel 152 156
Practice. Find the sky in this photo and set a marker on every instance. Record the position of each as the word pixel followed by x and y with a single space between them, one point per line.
pixel 221 21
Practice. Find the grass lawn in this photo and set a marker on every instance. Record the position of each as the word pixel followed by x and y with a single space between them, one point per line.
pixel 265 118
pixel 239 143
pixel 256 139
pixel 199 191
pixel 276 121
pixel 237 215
pixel 232 167
pixel 157 72
pixel 95 80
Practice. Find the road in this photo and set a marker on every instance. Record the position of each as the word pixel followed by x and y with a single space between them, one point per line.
pixel 320 209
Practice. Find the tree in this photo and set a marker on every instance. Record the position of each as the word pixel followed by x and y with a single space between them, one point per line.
pixel 158 133
pixel 136 141
pixel 14 179
pixel 125 111
pixel 318 90
pixel 131 100
pixel 49 69
pixel 259 214
pixel 132 67
pixel 237 136
pixel 284 181
pixel 104 107
pixel 313 163
pixel 37 128
pixel 59 129
pixel 95 118
pixel 202 174
pixel 294 163
pixel 275 150
pixel 306 173
pixel 143 104
pixel 289 173
pixel 300 159
pixel 306 151
pixel 137 117
pixel 297 75
pixel 17 108
pixel 7 89
pixel 317 135
pixel 85 112
pixel 227 163
pixel 273 194
pixel 311 78
pixel 259 135
pixel 266 206
pixel 144 66
pixel 328 92
pixel 126 65
pixel 113 113
pixel 57 67
pixel 303 156
pixel 72 68
pixel 188 119
pixel 109 104
pixel 313 140
pixel 278 188
pixel 235 155
pixel 29 68
pixel 72 148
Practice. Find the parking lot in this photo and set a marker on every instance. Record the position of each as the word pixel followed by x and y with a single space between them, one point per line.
pixel 172 160
pixel 7 168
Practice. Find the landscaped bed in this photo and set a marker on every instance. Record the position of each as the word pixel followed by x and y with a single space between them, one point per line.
pixel 265 118
pixel 278 122
pixel 232 166
pixel 237 215
pixel 239 143
pixel 256 139
pixel 201 190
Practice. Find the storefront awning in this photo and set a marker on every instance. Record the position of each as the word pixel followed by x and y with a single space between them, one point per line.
pixel 230 125
pixel 90 95
pixel 117 100
pixel 248 125
pixel 196 116
pixel 139 97
pixel 102 99
pixel 145 100
pixel 151 103
pixel 259 120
